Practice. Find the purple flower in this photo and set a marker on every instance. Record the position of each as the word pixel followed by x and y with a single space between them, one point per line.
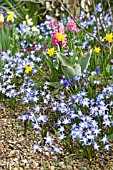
pixel 107 147
pixel 104 139
pixel 57 149
pixel 49 139
pixel 66 83
pixel 96 146
pixel 98 70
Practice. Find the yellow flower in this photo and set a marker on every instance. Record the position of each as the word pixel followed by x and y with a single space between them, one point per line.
pixel 109 37
pixel 60 36
pixel 1 17
pixel 11 16
pixel 97 49
pixel 27 69
pixel 51 52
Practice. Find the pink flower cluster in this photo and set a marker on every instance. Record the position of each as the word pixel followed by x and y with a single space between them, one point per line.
pixel 6 24
pixel 59 28
pixel 53 22
pixel 55 41
pixel 71 26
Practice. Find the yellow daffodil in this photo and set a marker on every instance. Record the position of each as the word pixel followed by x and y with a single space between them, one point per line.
pixel 109 37
pixel 11 16
pixel 97 49
pixel 28 69
pixel 1 17
pixel 51 52
pixel 60 36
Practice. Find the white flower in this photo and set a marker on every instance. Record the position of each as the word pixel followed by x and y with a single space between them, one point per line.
pixel 1 17
pixel 28 20
pixel 40 37
pixel 35 29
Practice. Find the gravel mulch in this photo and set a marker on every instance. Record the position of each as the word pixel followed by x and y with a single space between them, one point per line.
pixel 16 149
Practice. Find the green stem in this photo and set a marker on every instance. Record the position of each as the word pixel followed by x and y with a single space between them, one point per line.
pixel 10 5
pixel 3 38
pixel 13 103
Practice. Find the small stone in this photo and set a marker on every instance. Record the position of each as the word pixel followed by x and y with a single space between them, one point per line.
pixel 55 157
pixel 1 161
pixel 75 168
pixel 24 160
pixel 35 163
pixel 69 167
pixel 52 168
pixel 27 166
pixel 20 168
pixel 47 153
pixel 41 168
pixel 110 162
pixel 15 159
pixel 62 164
pixel 15 168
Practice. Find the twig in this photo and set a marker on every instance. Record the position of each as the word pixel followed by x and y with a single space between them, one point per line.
pixel 43 13
pixel 18 5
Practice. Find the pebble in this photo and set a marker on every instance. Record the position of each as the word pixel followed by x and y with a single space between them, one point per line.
pixel 55 157
pixel 24 161
pixel 52 168
pixel 61 164
pixel 22 147
pixel 69 167
pixel 15 168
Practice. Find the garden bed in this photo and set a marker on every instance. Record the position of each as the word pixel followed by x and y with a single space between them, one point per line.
pixel 16 150
pixel 56 87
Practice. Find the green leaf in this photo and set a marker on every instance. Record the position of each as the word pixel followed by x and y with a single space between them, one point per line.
pixel 12 7
pixel 63 59
pixel 109 69
pixel 55 84
pixel 84 60
pixel 77 68
pixel 0 63
pixel 109 164
pixel 71 155
pixel 57 133
pixel 70 72
pixel 110 137
pixel 41 71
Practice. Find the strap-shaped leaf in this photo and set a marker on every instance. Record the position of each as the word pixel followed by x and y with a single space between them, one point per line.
pixel 110 137
pixel 84 60
pixel 70 72
pixel 63 59
pixel 56 85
